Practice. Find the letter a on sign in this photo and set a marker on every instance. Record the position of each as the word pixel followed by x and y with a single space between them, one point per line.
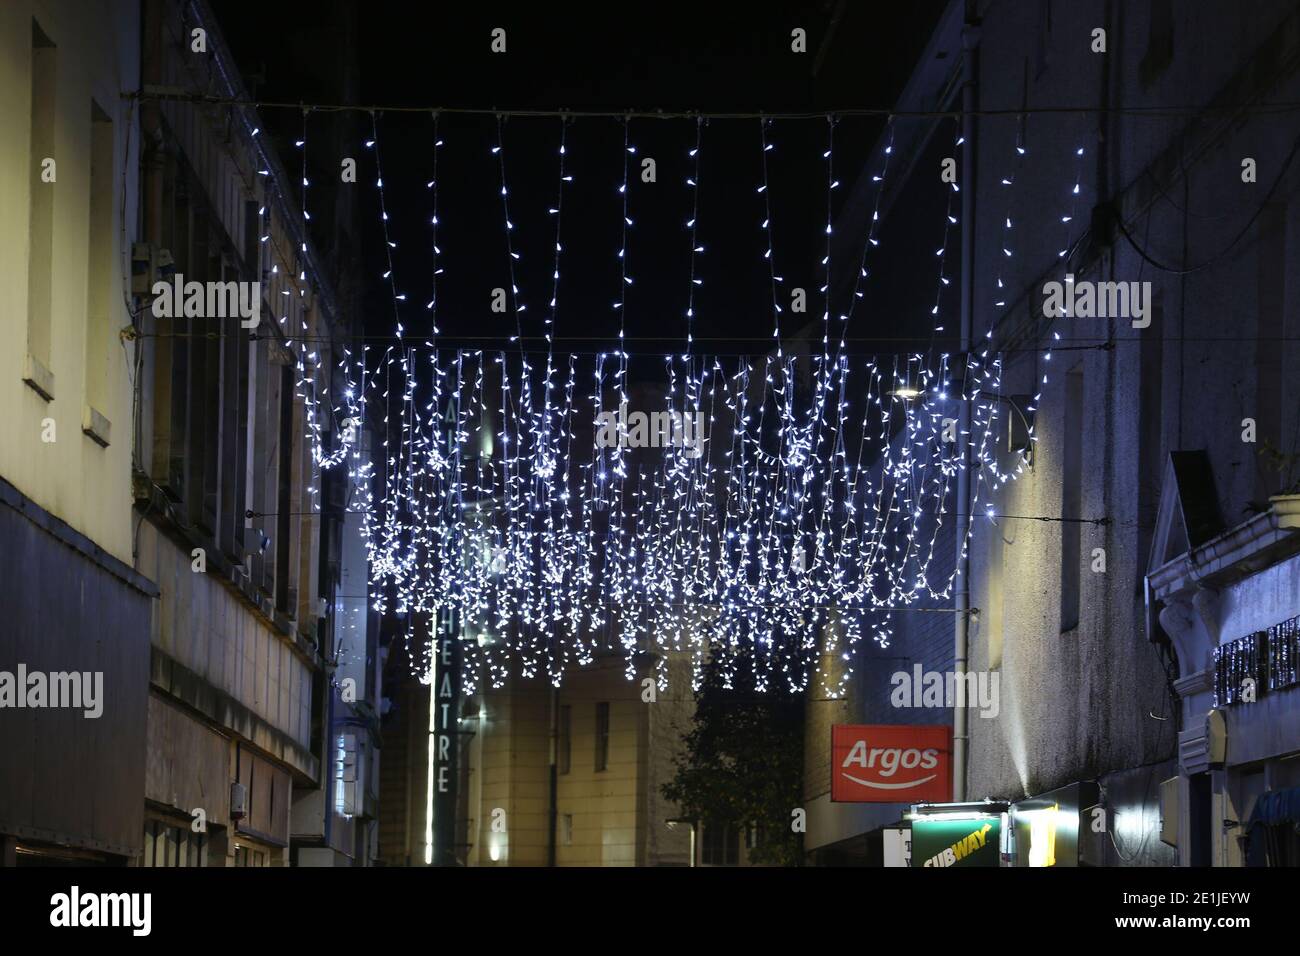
pixel 903 764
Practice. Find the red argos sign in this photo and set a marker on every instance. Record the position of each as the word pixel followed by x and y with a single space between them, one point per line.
pixel 873 764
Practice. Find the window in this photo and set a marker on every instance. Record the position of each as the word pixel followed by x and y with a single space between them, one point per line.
pixel 1071 499
pixel 232 488
pixel 721 845
pixel 566 829
pixel 171 348
pixel 284 596
pixel 1160 42
pixel 246 855
pixel 169 844
pixel 99 270
pixel 41 182
pixel 346 784
pixel 602 735
pixel 564 745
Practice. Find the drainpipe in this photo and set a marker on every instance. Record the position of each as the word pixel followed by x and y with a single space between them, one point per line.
pixel 961 597
pixel 151 192
pixel 151 122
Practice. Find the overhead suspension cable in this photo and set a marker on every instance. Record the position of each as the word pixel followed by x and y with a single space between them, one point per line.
pixel 163 94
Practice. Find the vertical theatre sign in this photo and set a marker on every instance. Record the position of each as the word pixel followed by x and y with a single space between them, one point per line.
pixel 444 709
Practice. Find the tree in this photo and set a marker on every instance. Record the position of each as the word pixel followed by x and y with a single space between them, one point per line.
pixel 742 764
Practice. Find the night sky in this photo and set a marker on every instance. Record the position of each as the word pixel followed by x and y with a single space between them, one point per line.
pixel 657 57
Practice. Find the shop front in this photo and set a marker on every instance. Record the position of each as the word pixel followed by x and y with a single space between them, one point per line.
pixel 1228 601
pixel 958 834
pixel 1061 828
pixel 876 773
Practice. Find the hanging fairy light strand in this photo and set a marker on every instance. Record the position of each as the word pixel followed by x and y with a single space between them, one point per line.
pixel 309 363
pixel 1008 182
pixel 949 220
pixel 872 240
pixel 692 226
pixel 1062 254
pixel 436 252
pixel 831 185
pixel 512 256
pixel 766 226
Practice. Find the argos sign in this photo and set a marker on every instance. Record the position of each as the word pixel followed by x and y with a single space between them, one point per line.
pixel 873 764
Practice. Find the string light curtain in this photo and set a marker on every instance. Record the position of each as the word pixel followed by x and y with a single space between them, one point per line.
pixel 810 501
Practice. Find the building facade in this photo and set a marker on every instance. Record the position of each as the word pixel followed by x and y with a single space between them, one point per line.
pixel 252 720
pixel 74 652
pixel 543 776
pixel 1148 539
pixel 196 584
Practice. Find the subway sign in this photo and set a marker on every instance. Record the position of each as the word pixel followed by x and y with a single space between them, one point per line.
pixel 891 764
pixel 971 841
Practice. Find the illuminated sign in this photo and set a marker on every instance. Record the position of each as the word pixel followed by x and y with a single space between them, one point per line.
pixel 1042 835
pixel 444 708
pixel 962 842
pixel 891 764
pixel 1063 827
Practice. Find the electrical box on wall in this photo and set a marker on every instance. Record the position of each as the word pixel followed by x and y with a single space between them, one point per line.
pixel 1169 806
pixel 1216 732
pixel 149 264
